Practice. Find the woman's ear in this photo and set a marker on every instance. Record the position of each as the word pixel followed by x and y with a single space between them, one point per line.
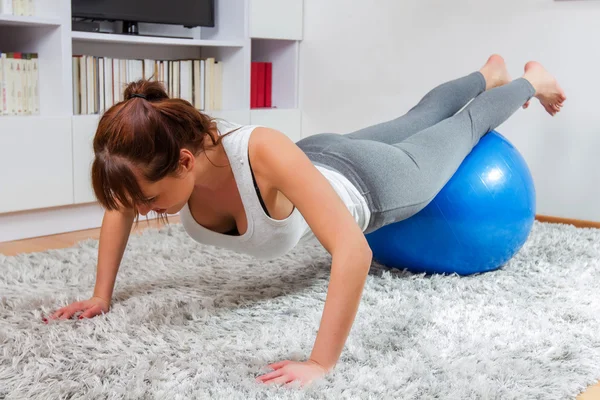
pixel 186 160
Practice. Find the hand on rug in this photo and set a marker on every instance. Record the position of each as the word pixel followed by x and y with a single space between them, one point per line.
pixel 89 308
pixel 288 372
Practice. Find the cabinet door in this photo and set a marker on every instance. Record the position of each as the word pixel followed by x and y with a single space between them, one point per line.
pixel 276 19
pixel 36 163
pixel 84 128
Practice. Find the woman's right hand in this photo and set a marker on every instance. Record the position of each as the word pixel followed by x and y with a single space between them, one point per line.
pixel 89 308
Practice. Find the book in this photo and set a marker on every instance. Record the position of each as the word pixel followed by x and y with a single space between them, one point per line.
pixel 99 82
pixel 36 88
pixel 254 85
pixel 260 97
pixel 268 84
pixel 6 7
pixel 3 109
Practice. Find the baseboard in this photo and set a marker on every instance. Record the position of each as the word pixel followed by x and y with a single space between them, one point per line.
pixel 49 221
pixel 579 223
pixel 52 221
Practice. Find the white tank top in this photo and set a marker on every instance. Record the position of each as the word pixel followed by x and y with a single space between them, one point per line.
pixel 266 237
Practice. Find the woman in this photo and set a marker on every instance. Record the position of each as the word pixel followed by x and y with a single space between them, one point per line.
pixel 252 190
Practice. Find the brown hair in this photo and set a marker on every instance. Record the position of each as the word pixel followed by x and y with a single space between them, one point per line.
pixel 145 131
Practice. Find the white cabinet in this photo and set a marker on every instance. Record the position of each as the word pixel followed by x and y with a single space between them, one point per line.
pixel 287 121
pixel 84 128
pixel 45 159
pixel 36 163
pixel 276 19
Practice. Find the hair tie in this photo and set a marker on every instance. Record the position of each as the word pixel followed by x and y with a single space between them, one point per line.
pixel 141 96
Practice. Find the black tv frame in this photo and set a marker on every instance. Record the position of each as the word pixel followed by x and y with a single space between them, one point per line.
pixel 130 22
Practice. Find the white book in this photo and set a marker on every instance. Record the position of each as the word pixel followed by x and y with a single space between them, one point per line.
pixel 202 85
pixel 186 87
pixel 108 83
pixel 209 82
pixel 196 81
pixel 20 84
pixel 116 79
pixel 18 7
pixel 2 84
pixel 9 72
pixel 168 77
pixel 26 83
pixel 30 81
pixel 76 88
pixel 6 7
pixel 101 86
pixel 218 84
pixel 124 79
pixel 139 69
pixel 165 69
pixel 177 78
pixel 91 85
pixel 91 80
pixel 83 83
pixel 36 87
pixel 148 69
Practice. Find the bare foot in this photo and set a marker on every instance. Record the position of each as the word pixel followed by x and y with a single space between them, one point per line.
pixel 547 90
pixel 495 73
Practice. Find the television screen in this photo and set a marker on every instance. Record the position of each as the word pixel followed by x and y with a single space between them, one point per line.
pixel 188 13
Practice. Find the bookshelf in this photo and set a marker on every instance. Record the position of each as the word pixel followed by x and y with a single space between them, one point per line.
pixel 45 159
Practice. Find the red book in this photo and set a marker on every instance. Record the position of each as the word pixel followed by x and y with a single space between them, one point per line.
pixel 260 99
pixel 268 84
pixel 253 84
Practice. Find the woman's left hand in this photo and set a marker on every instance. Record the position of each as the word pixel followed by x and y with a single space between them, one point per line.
pixel 286 372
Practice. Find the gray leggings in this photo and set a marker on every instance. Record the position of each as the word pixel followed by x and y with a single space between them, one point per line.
pixel 400 165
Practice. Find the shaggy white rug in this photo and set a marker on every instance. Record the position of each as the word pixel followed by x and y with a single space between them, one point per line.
pixel 193 321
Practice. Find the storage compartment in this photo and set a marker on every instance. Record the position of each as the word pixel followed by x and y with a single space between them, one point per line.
pixel 283 57
pixel 36 167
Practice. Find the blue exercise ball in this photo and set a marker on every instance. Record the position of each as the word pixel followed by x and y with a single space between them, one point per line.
pixel 476 223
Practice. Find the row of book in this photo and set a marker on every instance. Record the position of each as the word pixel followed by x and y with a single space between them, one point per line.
pixel 19 94
pixel 99 82
pixel 261 83
pixel 17 7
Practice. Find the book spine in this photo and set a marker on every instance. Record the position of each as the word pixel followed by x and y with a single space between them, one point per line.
pixel 268 84
pixel 254 85
pixel 260 98
pixel 202 85
pixel 27 95
pixel 36 82
pixel 75 66
pixel 19 82
pixel 108 83
pixel 2 83
pixel 6 7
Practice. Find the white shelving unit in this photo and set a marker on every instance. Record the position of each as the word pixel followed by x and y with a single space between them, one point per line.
pixel 45 159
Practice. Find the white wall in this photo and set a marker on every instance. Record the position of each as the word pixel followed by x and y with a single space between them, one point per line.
pixel 363 62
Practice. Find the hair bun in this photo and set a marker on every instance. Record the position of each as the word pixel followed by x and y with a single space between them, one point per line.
pixel 146 89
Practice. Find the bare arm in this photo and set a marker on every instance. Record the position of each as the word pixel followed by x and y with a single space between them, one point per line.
pixel 283 163
pixel 114 234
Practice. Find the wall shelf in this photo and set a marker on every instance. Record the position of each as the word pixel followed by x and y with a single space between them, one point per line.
pixel 19 20
pixel 152 40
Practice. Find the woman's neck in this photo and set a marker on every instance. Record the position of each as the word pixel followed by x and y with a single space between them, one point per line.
pixel 213 169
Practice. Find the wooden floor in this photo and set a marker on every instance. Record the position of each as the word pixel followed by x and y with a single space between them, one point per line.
pixel 71 238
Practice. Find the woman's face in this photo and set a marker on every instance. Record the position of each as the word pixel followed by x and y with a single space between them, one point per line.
pixel 170 194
